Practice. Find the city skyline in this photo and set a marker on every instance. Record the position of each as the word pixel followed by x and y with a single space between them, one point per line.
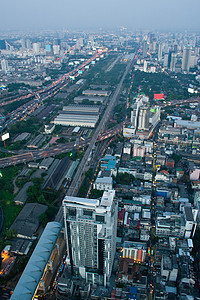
pixel 100 150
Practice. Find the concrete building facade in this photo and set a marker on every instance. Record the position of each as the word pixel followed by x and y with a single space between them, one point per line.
pixel 90 228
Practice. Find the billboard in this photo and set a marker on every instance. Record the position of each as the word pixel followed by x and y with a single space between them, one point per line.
pixel 5 136
pixel 158 96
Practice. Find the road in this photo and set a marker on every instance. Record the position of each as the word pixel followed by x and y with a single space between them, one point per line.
pixel 76 182
pixel 33 155
pixel 77 179
pixel 113 64
pixel 179 102
pixel 38 97
pixel 151 279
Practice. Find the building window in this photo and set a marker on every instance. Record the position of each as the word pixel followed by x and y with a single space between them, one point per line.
pixel 100 219
pixel 87 212
pixel 71 212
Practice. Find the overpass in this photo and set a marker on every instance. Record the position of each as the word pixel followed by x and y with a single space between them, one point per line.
pixel 25 156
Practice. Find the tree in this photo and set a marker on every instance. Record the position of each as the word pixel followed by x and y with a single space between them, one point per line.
pixel 10 234
pixel 176 158
pixel 43 219
pixel 95 194
pixel 89 173
pixel 61 140
pixel 124 178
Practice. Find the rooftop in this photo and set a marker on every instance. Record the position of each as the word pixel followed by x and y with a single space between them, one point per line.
pixel 107 180
pixel 107 198
pixel 188 214
pixel 81 201
pixel 185 123
pixel 27 222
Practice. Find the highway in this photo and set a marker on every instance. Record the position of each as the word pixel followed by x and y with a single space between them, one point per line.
pixel 26 156
pixel 76 182
pixel 179 102
pixel 38 97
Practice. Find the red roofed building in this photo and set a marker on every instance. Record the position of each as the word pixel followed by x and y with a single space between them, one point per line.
pixel 121 215
pixel 127 269
pixel 164 172
pixel 170 163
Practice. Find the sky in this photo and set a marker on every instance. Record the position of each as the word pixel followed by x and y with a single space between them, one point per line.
pixel 160 15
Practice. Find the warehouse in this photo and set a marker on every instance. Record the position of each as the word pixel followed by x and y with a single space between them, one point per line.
pixel 37 141
pixel 78 115
pixel 45 164
pixel 57 176
pixel 94 99
pixel 81 109
pixel 96 93
pixel 21 197
pixel 76 120
pixel 21 137
pixel 27 222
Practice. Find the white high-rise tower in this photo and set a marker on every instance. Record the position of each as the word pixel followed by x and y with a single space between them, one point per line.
pixel 186 61
pixel 4 65
pixel 36 48
pixel 91 229
pixel 143 120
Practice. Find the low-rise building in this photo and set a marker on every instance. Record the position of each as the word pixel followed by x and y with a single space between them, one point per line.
pixel 135 250
pixel 103 183
pixel 127 148
pixel 169 268
pixel 46 163
pixel 49 128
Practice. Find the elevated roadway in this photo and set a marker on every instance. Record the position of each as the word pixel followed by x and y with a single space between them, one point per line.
pixel 77 180
pixel 37 98
pixel 31 155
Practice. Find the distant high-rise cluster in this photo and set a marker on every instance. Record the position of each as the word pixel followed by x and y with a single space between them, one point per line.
pixel 143 117
pixel 176 54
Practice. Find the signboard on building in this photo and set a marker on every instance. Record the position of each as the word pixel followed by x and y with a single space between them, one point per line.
pixel 4 137
pixel 158 96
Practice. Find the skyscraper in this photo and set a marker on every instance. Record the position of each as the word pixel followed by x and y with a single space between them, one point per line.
pixel 186 61
pixel 48 48
pixel 145 66
pixel 173 62
pixel 135 112
pixel 28 44
pixel 4 65
pixel 169 59
pixel 166 58
pixel 143 120
pixel 90 228
pixel 145 48
pixel 160 49
pixel 56 49
pixel 36 48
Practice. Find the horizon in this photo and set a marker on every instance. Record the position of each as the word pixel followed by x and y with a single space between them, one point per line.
pixel 33 16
